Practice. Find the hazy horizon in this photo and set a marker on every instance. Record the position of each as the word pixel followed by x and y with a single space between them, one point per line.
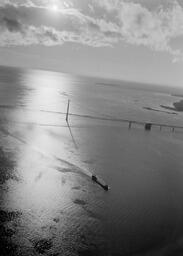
pixel 112 81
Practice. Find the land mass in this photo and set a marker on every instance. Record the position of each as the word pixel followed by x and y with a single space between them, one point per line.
pixel 178 106
pixel 178 95
pixel 157 110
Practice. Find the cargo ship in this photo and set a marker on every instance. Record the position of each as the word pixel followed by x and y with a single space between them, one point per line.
pixel 100 182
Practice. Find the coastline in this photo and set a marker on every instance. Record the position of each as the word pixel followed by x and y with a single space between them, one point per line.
pixel 161 111
pixel 178 106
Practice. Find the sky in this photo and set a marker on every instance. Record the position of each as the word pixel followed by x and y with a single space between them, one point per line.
pixel 137 40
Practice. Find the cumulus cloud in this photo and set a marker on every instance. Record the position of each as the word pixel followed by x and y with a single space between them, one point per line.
pixel 95 23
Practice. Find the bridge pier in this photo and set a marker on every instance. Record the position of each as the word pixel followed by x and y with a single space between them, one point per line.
pixel 148 126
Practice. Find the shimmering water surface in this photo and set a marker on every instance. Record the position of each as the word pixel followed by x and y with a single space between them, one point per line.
pixel 48 203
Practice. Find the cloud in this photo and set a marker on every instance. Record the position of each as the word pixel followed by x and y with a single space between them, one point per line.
pixel 154 29
pixel 95 23
pixel 22 25
pixel 10 24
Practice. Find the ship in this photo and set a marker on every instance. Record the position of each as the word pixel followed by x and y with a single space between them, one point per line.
pixel 100 182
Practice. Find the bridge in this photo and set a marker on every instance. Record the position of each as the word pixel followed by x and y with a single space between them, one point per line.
pixel 147 125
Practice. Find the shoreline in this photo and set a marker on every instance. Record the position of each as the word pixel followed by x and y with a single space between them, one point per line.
pixel 178 106
pixel 161 111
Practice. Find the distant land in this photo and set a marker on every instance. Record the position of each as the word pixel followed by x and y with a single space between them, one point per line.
pixel 178 106
pixel 157 110
pixel 178 95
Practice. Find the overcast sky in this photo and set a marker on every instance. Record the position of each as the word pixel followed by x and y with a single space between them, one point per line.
pixel 140 40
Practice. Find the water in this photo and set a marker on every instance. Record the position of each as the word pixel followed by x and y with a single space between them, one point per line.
pixel 48 202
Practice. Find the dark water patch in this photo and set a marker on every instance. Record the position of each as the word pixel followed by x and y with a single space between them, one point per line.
pixel 7 247
pixel 6 216
pixel 43 245
pixel 6 232
pixel 56 220
pixel 7 165
pixel 80 202
pixel 76 188
pixel 9 232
